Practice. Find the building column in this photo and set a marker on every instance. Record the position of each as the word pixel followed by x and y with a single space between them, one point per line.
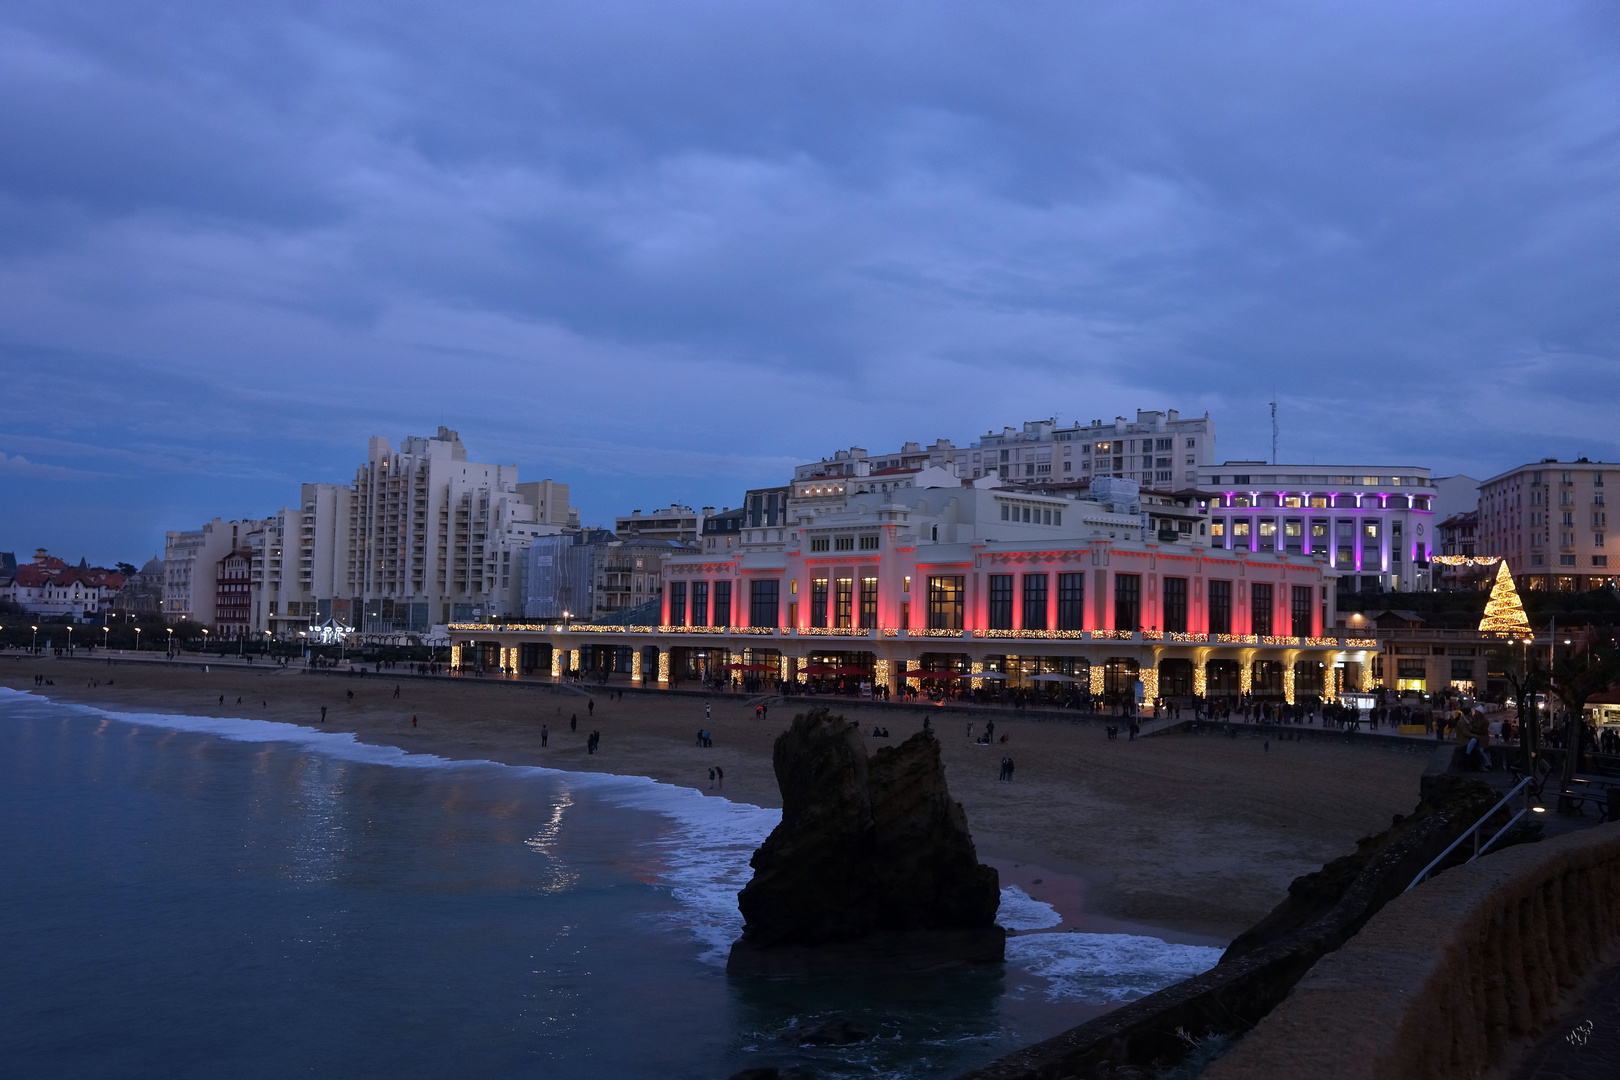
pixel 556 662
pixel 635 665
pixel 1200 673
pixel 1289 659
pixel 663 667
pixel 1149 674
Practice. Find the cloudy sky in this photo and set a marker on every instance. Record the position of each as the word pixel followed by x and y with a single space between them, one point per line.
pixel 664 251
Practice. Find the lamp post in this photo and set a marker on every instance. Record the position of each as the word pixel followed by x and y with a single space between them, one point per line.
pixel 35 646
pixel 170 653
pixel 205 640
pixel 106 632
pixel 70 638
pixel 137 639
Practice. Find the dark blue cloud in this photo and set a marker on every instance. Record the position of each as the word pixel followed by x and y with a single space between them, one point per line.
pixel 662 249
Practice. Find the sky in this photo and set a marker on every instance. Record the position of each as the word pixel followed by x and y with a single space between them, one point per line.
pixel 665 251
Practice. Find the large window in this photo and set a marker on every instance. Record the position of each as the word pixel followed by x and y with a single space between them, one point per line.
pixel 1071 611
pixel 843 599
pixel 700 603
pixel 869 593
pixel 1034 601
pixel 677 603
pixel 1259 608
pixel 1301 610
pixel 1127 601
pixel 763 603
pixel 722 603
pixel 818 602
pixel 945 602
pixel 1001 601
pixel 1175 605
pixel 1220 607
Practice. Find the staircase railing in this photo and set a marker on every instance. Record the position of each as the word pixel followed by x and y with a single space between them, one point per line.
pixel 1474 831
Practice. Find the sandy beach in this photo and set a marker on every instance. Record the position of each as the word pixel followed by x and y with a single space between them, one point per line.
pixel 1197 835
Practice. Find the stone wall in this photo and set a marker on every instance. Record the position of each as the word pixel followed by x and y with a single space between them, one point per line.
pixel 1449 978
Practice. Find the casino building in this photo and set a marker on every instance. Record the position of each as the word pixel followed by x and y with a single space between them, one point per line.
pixel 918 577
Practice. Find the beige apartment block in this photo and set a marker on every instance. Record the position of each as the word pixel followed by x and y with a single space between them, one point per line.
pixel 1550 521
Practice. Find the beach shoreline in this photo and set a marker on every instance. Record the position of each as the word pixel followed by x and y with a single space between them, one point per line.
pixel 1194 836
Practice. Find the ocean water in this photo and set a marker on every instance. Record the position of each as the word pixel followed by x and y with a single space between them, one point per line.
pixel 189 897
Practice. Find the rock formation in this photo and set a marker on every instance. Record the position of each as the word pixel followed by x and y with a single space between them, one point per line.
pixel 872 867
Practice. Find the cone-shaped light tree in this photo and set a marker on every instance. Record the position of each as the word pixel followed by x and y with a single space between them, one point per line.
pixel 1504 611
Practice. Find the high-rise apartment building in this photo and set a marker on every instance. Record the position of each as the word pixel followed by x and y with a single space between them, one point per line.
pixel 1158 450
pixel 436 538
pixel 423 536
pixel 1550 521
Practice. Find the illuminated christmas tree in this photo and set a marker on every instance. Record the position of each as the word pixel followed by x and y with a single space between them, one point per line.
pixel 1504 611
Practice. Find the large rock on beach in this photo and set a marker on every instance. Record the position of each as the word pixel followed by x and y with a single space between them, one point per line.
pixel 872 866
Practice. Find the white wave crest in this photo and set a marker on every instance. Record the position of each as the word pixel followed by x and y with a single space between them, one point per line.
pixel 1020 911
pixel 1102 968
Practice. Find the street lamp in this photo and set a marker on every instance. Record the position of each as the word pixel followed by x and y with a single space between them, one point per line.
pixel 106 632
pixel 70 638
pixel 170 653
pixel 137 639
pixel 35 646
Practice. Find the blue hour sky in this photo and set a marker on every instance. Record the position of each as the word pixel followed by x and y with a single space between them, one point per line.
pixel 663 251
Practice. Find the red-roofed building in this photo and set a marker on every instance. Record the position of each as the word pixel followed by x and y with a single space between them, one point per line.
pixel 48 586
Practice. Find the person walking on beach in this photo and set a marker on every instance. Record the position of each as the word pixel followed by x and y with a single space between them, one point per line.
pixel 222 699
pixel 590 707
pixel 1009 770
pixel 719 777
pixel 573 721
pixel 711 779
pixel 707 712
pixel 323 714
pixel 413 721
pixel 544 735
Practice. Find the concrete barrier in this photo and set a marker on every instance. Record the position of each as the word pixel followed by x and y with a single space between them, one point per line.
pixel 1450 978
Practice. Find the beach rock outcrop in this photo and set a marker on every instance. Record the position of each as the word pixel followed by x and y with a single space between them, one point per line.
pixel 872 866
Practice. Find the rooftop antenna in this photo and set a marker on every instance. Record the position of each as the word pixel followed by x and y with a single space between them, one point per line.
pixel 1274 427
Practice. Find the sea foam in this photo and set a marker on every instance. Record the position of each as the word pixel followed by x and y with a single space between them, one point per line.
pixel 1102 968
pixel 704 861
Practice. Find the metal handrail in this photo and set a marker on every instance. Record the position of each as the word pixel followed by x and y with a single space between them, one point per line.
pixel 1473 830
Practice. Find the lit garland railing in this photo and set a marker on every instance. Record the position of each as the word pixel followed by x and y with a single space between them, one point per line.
pixel 1331 642
pixel 938 633
pixel 1113 635
pixel 1360 643
pixel 1188 638
pixel 1152 635
pixel 1271 639
pixel 834 631
pixel 1236 639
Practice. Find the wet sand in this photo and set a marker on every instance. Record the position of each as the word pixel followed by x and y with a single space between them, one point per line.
pixel 1197 834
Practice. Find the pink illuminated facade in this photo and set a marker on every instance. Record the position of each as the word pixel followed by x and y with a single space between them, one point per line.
pixel 950 583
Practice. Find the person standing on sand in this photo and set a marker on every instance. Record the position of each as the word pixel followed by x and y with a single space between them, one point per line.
pixel 544 735
pixel 707 713
pixel 711 779
pixel 719 777
pixel 396 689
pixel 573 721
pixel 413 721
pixel 323 714
pixel 590 707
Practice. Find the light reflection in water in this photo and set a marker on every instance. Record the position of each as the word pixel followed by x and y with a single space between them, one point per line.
pixel 558 877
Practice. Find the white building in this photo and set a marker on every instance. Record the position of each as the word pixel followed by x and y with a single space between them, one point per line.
pixel 435 538
pixel 191 564
pixel 680 524
pixel 1157 450
pixel 1374 524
